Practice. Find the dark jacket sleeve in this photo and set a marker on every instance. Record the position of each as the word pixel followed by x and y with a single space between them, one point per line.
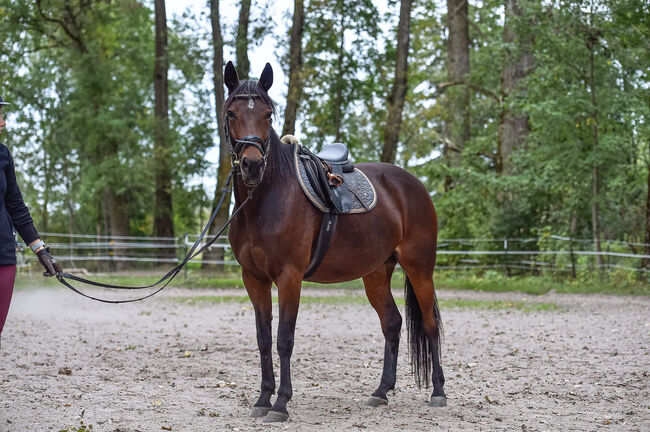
pixel 16 207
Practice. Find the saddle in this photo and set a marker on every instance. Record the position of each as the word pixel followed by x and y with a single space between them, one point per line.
pixel 334 186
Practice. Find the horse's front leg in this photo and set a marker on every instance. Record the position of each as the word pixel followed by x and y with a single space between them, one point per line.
pixel 259 292
pixel 289 285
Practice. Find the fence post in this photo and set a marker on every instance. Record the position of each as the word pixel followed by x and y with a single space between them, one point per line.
pixel 608 267
pixel 573 258
pixel 185 238
pixel 505 256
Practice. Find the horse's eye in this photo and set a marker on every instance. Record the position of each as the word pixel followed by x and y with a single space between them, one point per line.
pixel 230 114
pixel 269 116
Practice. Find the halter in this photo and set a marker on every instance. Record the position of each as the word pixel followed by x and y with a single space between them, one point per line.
pixel 247 141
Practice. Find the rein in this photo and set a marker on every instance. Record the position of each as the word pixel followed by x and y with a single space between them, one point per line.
pixel 173 272
pixel 240 145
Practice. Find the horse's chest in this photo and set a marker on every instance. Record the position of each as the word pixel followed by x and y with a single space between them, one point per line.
pixel 252 251
pixel 251 255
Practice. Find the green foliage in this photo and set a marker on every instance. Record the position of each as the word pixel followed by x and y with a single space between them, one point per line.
pixel 340 57
pixel 84 118
pixel 82 90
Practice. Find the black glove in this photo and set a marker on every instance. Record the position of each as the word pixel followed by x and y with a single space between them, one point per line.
pixel 51 265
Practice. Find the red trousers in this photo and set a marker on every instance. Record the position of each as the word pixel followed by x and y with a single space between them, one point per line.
pixel 7 279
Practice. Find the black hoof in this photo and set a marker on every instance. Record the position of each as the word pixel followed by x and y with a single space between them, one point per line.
pixel 375 401
pixel 275 417
pixel 438 401
pixel 259 411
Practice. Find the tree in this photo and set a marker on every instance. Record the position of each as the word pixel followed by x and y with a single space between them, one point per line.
pixel 295 68
pixel 223 169
pixel 519 62
pixel 340 54
pixel 241 42
pixel 457 124
pixel 396 102
pixel 163 225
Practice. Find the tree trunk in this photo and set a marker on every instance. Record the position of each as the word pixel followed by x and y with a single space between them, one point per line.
pixel 45 223
pixel 241 43
pixel 163 225
pixel 457 124
pixel 117 221
pixel 646 239
pixel 217 254
pixel 339 83
pixel 295 68
pixel 513 128
pixel 595 221
pixel 396 103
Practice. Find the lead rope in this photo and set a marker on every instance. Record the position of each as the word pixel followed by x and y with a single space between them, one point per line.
pixel 173 272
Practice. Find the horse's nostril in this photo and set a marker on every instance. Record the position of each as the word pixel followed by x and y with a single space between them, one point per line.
pixel 245 163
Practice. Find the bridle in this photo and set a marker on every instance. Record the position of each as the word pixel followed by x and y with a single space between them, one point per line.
pixel 247 141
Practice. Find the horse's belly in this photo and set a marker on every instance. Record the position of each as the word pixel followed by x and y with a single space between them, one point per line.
pixel 360 245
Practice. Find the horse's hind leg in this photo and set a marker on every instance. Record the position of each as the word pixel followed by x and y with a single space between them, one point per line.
pixel 423 322
pixel 378 291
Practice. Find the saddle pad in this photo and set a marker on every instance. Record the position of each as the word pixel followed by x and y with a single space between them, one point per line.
pixel 364 196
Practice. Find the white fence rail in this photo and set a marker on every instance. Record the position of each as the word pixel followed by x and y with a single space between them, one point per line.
pixel 546 253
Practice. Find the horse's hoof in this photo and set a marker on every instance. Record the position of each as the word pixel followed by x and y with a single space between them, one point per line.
pixel 375 401
pixel 438 401
pixel 260 411
pixel 275 417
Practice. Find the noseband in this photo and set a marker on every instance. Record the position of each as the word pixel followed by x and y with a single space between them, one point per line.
pixel 247 141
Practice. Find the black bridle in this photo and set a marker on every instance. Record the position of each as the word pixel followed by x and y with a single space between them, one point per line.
pixel 247 141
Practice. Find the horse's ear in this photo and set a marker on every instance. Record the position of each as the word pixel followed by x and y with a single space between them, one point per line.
pixel 230 77
pixel 266 79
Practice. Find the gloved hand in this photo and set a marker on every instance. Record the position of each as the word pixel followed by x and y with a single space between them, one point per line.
pixel 51 265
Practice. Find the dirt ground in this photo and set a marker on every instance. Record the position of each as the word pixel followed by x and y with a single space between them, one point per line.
pixel 163 364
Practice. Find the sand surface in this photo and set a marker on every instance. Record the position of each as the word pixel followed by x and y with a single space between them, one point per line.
pixel 164 364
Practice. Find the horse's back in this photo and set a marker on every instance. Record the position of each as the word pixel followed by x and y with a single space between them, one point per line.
pixel 399 187
pixel 404 214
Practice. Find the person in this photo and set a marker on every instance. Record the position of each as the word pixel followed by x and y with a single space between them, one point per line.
pixel 14 214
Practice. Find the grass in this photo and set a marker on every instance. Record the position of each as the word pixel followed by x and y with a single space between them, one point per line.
pixel 618 283
pixel 348 300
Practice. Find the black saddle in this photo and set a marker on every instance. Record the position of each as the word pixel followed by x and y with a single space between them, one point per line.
pixel 334 186
pixel 337 154
pixel 325 173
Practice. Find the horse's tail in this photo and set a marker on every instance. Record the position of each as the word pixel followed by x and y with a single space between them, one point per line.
pixel 419 344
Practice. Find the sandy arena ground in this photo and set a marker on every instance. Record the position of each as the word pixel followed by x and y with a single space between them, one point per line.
pixel 185 366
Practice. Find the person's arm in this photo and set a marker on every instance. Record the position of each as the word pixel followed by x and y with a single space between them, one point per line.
pixel 22 221
pixel 16 207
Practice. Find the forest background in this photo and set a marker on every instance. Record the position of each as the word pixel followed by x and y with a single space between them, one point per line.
pixel 523 118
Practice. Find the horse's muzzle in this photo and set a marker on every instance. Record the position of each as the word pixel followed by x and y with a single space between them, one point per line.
pixel 252 171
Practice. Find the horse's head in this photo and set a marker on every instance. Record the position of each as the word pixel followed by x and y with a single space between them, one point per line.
pixel 248 113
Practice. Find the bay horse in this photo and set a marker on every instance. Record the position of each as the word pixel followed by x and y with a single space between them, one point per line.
pixel 274 235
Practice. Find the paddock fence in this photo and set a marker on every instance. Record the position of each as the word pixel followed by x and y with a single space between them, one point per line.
pixel 548 253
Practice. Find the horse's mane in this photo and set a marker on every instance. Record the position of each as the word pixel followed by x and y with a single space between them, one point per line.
pixel 280 161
